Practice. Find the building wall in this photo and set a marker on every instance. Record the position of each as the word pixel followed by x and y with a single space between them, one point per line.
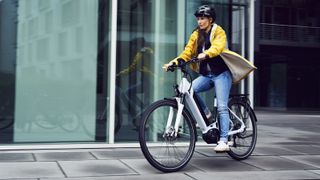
pixel 287 54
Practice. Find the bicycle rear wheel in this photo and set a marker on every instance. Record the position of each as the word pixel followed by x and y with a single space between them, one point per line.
pixel 162 149
pixel 243 143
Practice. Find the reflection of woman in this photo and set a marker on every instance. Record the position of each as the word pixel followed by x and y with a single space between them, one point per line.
pixel 140 64
pixel 208 43
pixel 137 64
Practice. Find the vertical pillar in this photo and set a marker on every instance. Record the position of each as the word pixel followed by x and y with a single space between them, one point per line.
pixel 181 23
pixel 157 7
pixel 112 70
pixel 251 49
pixel 242 15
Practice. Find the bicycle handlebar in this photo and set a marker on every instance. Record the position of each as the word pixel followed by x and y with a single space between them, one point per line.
pixel 182 65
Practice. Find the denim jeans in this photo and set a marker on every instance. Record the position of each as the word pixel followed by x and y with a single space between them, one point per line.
pixel 222 85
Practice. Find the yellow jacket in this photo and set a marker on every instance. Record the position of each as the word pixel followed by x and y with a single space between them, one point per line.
pixel 137 62
pixel 239 66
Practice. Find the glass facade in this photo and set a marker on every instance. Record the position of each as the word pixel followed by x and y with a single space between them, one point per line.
pixel 55 64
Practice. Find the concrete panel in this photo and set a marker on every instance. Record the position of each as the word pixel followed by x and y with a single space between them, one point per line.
pixel 312 160
pixel 276 163
pixel 118 153
pixel 63 156
pixel 175 176
pixel 304 149
pixel 209 152
pixel 95 168
pixel 30 170
pixel 315 171
pixel 253 175
pixel 16 157
pixel 275 150
pixel 216 164
pixel 143 167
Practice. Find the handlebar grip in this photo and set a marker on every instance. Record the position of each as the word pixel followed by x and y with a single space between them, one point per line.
pixel 171 68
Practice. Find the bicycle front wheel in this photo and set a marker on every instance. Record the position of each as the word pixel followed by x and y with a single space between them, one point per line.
pixel 163 147
pixel 244 142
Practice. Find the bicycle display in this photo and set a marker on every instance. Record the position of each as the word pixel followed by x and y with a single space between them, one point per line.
pixel 168 132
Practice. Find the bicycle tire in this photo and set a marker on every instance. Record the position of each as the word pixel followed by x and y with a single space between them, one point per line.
pixel 101 120
pixel 5 123
pixel 118 119
pixel 69 122
pixel 41 121
pixel 5 119
pixel 152 131
pixel 243 143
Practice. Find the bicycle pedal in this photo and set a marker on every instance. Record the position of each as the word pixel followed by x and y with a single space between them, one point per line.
pixel 221 152
pixel 230 143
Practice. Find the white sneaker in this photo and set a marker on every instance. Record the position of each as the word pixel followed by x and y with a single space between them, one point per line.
pixel 222 147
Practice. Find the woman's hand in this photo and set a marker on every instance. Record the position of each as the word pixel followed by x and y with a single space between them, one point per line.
pixel 202 56
pixel 172 62
pixel 165 66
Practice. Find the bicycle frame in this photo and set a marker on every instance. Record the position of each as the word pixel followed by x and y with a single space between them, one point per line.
pixel 186 98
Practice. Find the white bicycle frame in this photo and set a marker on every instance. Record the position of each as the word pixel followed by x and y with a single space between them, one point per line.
pixel 187 91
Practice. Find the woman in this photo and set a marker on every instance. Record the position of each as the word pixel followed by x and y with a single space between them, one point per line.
pixel 208 43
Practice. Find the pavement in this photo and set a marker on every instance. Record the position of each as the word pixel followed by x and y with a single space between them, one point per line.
pixel 288 147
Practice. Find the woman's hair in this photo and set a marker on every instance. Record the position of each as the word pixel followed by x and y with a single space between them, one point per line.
pixel 204 11
pixel 201 37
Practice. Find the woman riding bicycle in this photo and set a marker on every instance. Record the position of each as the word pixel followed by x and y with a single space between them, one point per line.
pixel 218 66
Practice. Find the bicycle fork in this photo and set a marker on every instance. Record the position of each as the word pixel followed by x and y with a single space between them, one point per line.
pixel 173 130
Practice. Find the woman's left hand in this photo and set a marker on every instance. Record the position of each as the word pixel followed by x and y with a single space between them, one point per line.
pixel 202 56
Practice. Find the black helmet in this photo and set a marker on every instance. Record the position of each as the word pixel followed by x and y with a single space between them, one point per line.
pixel 206 11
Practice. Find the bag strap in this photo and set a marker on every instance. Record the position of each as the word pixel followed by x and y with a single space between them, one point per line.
pixel 213 30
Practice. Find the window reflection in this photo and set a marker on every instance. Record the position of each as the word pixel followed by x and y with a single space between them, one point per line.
pixel 141 52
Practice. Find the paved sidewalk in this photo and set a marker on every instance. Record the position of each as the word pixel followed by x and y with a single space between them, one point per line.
pixel 288 147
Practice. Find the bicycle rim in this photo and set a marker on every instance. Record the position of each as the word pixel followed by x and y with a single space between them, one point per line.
pixel 5 123
pixel 69 122
pixel 164 152
pixel 243 143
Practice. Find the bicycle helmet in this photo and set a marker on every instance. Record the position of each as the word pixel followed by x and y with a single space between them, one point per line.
pixel 206 11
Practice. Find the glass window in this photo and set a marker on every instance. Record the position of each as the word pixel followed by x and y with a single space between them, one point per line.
pixel 8 30
pixel 147 38
pixel 56 71
pixel 103 70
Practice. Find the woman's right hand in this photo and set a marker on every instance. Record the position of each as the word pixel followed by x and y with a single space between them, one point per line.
pixel 172 62
pixel 166 66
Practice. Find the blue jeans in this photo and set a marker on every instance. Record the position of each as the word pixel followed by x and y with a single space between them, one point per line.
pixel 222 85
